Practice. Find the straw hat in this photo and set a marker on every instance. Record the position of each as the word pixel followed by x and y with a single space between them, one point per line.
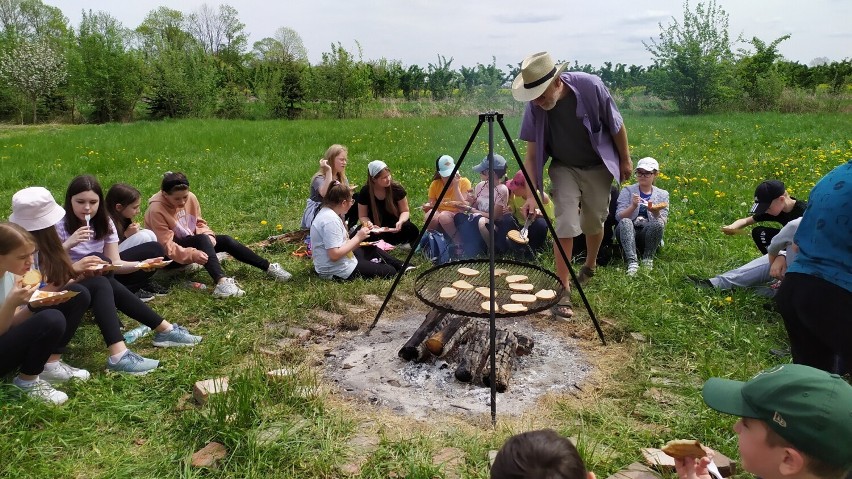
pixel 537 72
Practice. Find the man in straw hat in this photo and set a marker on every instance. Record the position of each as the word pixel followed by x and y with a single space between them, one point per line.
pixel 571 117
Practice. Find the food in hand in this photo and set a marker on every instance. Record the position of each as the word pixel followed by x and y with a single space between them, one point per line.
pixel 680 448
pixel 546 294
pixel 448 293
pixel 514 308
pixel 31 278
pixel 516 278
pixel 468 271
pixel 521 286
pixel 523 298
pixel 462 284
pixel 40 295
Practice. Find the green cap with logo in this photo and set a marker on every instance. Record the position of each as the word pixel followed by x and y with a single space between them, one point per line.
pixel 808 407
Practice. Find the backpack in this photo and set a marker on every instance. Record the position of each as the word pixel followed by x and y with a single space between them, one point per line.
pixel 435 247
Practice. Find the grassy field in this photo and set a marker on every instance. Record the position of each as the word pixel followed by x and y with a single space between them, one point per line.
pixel 252 179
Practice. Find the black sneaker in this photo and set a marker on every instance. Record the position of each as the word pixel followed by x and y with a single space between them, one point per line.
pixel 156 288
pixel 699 282
pixel 145 296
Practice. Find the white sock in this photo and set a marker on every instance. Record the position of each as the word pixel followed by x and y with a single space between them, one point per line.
pixel 51 365
pixel 115 358
pixel 23 383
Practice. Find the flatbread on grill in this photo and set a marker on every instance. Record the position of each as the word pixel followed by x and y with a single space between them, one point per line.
pixel 448 293
pixel 486 305
pixel 462 284
pixel 484 291
pixel 523 298
pixel 500 271
pixel 545 294
pixel 680 448
pixel 515 236
pixel 516 278
pixel 514 308
pixel 468 271
pixel 521 286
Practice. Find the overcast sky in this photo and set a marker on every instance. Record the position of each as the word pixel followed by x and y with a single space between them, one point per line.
pixel 472 31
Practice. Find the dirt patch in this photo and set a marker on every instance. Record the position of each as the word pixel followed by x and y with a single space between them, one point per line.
pixel 368 368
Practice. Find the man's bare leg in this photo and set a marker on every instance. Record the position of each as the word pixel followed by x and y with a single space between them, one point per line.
pixel 562 268
pixel 593 246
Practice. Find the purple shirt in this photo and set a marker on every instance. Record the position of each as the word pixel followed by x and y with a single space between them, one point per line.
pixel 598 112
pixel 87 248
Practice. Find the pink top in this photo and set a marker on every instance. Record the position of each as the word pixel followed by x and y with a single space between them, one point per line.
pixel 87 248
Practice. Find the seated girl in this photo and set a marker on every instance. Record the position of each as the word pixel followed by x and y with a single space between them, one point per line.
pixel 107 294
pixel 32 338
pixel 474 224
pixel 174 215
pixel 537 229
pixel 134 243
pixel 335 254
pixel 383 203
pixel 454 201
pixel 642 212
pixel 332 168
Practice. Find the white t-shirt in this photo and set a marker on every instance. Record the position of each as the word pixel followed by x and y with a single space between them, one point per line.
pixel 7 282
pixel 328 231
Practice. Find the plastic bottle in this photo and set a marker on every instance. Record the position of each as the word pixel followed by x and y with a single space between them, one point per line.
pixel 136 333
pixel 194 285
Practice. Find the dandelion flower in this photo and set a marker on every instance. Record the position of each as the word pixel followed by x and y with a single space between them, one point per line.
pixel 263 222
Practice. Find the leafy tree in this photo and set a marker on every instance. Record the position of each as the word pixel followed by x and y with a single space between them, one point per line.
pixel 441 80
pixel 218 31
pixel 490 79
pixel 384 77
pixel 412 81
pixel 292 46
pixel 693 59
pixel 35 69
pixel 341 78
pixel 759 78
pixel 163 29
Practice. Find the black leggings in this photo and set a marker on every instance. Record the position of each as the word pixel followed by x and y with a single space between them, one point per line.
pixel 30 343
pixel 386 267
pixel 224 244
pixel 107 296
pixel 136 280
pixel 73 311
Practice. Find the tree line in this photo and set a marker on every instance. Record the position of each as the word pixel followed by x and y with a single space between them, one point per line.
pixel 199 64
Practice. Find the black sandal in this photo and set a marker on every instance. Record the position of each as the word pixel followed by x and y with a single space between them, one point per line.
pixel 563 309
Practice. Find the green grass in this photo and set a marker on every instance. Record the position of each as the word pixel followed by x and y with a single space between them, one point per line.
pixel 253 176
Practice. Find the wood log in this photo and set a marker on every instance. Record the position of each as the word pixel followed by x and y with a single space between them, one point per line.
pixel 423 353
pixel 441 342
pixel 507 345
pixel 409 351
pixel 473 357
pixel 525 344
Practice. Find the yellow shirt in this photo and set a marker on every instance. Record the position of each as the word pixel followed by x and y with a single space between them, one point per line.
pixel 517 202
pixel 438 185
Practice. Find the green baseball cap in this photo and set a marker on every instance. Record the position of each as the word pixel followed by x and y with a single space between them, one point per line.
pixel 808 407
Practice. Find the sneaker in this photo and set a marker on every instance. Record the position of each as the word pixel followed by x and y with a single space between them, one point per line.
pixel 178 336
pixel 132 363
pixel 63 372
pixel 276 271
pixel 156 288
pixel 648 264
pixel 227 288
pixel 145 296
pixel 699 282
pixel 43 391
pixel 585 275
pixel 632 268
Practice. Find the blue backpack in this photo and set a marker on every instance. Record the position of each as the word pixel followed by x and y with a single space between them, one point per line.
pixel 435 247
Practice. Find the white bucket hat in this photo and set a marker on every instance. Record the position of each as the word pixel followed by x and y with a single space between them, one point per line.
pixel 35 209
pixel 537 72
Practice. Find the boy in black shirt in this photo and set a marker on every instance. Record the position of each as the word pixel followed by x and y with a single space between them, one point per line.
pixel 771 203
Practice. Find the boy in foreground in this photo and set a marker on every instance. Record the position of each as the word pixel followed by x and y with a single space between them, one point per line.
pixel 541 454
pixel 795 423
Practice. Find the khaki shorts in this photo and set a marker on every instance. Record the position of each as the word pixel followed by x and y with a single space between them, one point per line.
pixel 572 186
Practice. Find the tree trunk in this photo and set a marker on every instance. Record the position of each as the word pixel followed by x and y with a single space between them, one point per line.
pixel 443 341
pixel 507 344
pixel 412 350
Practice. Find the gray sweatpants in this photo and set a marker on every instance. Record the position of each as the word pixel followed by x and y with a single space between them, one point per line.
pixel 650 235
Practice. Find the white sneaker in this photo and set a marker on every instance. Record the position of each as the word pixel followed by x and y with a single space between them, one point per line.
pixel 227 288
pixel 276 271
pixel 648 264
pixel 63 372
pixel 632 268
pixel 43 391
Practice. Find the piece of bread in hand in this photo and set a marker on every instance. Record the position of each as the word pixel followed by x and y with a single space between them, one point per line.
pixel 680 448
pixel 31 278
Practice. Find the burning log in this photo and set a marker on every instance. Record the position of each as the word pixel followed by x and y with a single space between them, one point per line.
pixel 507 345
pixel 525 344
pixel 474 355
pixel 413 348
pixel 445 340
